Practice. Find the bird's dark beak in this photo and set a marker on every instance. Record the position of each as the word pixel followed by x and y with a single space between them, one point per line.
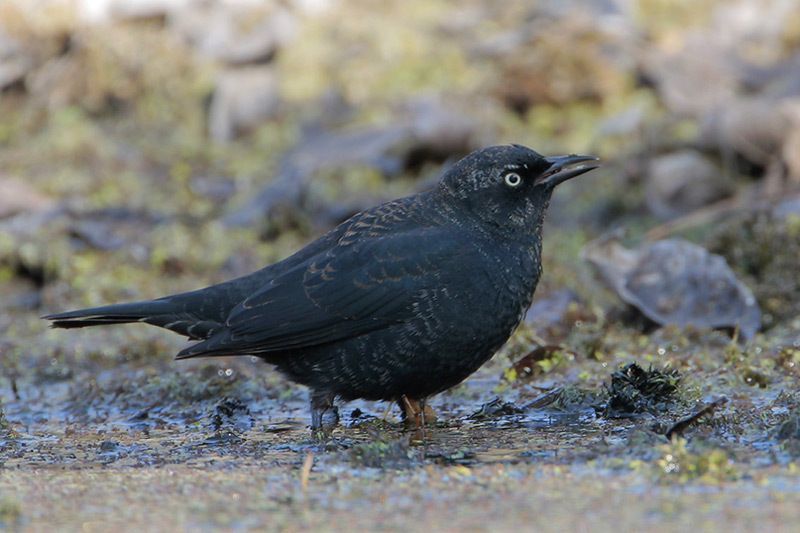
pixel 565 167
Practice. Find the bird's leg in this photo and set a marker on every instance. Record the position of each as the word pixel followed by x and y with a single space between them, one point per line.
pixel 420 434
pixel 409 410
pixel 416 413
pixel 428 414
pixel 324 414
pixel 424 411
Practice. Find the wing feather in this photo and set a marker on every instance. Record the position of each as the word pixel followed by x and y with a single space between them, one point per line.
pixel 373 278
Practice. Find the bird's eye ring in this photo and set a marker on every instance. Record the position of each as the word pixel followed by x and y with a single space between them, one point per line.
pixel 513 179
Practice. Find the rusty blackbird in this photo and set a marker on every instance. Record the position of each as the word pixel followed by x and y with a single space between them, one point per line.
pixel 399 302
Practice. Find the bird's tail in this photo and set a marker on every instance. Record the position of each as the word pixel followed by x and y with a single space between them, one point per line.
pixel 111 314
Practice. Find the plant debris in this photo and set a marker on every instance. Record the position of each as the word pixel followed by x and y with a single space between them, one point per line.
pixel 634 390
pixel 231 414
pixel 495 408
pixel 682 425
pixel 539 360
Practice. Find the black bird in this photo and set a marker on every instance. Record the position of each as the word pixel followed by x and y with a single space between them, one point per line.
pixel 399 302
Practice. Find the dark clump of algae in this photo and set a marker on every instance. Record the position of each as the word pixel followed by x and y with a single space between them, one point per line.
pixel 102 429
pixel 635 390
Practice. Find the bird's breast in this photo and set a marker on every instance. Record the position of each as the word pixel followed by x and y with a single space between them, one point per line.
pixel 491 297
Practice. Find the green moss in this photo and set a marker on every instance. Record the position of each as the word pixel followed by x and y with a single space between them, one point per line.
pixel 665 17
pixel 6 431
pixel 678 464
pixel 380 453
pixel 410 57
pixel 788 359
pixel 10 512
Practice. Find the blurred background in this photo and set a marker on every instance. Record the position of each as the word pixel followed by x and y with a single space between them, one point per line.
pixel 157 145
pixel 153 146
pixel 149 147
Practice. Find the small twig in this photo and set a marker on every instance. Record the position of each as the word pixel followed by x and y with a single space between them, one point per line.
pixel 545 399
pixel 682 425
pixel 305 471
pixel 700 216
pixel 749 200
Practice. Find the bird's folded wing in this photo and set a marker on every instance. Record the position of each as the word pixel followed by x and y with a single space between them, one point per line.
pixel 347 291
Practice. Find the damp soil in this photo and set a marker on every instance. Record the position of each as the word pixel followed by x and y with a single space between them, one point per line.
pixel 133 442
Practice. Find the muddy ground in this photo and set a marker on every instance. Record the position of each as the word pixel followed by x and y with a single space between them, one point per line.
pixel 139 441
pixel 144 153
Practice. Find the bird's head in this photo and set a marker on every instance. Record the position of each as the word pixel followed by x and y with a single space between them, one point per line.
pixel 509 187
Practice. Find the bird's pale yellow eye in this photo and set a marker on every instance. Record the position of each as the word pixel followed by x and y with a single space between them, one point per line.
pixel 513 179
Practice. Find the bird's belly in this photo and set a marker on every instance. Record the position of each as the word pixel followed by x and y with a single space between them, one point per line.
pixel 417 358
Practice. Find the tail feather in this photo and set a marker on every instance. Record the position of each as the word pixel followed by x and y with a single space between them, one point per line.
pixel 196 314
pixel 110 314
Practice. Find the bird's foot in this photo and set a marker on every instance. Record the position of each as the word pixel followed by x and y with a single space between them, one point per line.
pixel 324 415
pixel 416 416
